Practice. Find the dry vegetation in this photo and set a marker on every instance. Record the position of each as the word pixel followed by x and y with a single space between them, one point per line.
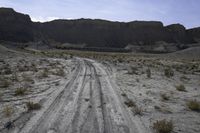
pixel 152 83
pixel 163 126
pixel 24 80
pixel 194 105
pixel 33 106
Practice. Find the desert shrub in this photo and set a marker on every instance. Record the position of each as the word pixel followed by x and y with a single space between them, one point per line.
pixel 163 126
pixel 169 72
pixel 23 68
pixel 148 71
pixel 157 107
pixel 120 60
pixel 1 96
pixel 5 83
pixel 184 78
pixel 44 73
pixel 130 103
pixel 20 91
pixel 60 72
pixel 164 96
pixel 181 88
pixel 34 68
pixel 7 71
pixel 193 105
pixel 133 70
pixel 123 94
pixel 33 106
pixel 27 78
pixel 8 111
pixel 15 77
pixel 138 111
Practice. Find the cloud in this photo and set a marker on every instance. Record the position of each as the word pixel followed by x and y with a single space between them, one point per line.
pixel 43 19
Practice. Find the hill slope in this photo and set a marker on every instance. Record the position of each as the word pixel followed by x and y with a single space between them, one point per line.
pixel 18 27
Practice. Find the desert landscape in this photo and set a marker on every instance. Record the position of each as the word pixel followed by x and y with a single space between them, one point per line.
pixel 65 91
pixel 82 75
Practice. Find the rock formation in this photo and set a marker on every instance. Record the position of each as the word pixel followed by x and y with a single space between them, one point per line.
pixel 18 27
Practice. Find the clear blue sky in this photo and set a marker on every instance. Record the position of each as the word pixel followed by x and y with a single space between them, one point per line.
pixel 186 12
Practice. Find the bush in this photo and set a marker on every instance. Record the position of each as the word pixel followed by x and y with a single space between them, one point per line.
pixel 148 71
pixel 163 126
pixel 60 72
pixel 15 77
pixel 20 91
pixel 133 70
pixel 5 83
pixel 123 94
pixel 44 73
pixel 169 72
pixel 8 111
pixel 164 96
pixel 130 103
pixel 7 71
pixel 181 88
pixel 27 78
pixel 33 106
pixel 138 111
pixel 193 105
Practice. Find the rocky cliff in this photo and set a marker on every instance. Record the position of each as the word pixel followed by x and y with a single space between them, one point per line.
pixel 18 27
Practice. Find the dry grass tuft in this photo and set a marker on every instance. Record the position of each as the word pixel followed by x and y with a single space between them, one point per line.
pixel 194 105
pixel 33 106
pixel 181 88
pixel 148 71
pixel 5 83
pixel 20 91
pixel 138 111
pixel 163 126
pixel 169 72
pixel 164 97
pixel 60 72
pixel 130 103
pixel 8 111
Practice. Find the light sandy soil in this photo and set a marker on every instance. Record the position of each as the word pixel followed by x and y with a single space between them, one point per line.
pixel 92 96
pixel 147 92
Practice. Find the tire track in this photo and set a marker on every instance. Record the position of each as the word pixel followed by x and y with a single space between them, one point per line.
pixel 41 124
pixel 89 103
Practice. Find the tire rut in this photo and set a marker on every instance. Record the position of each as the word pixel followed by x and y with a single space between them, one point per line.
pixel 89 103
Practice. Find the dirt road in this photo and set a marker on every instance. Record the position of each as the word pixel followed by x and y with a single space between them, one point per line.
pixel 90 102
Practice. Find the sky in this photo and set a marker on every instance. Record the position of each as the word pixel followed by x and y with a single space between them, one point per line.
pixel 186 12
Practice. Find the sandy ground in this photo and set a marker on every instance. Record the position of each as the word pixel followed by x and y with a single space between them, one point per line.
pixel 147 92
pixel 92 96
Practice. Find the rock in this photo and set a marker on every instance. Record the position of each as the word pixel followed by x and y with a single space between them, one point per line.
pixel 96 33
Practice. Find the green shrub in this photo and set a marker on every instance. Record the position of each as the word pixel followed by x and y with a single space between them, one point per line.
pixel 148 71
pixel 8 111
pixel 164 97
pixel 7 71
pixel 138 111
pixel 193 105
pixel 123 94
pixel 60 72
pixel 130 103
pixel 133 70
pixel 163 126
pixel 33 106
pixel 5 83
pixel 181 88
pixel 20 91
pixel 44 73
pixel 169 72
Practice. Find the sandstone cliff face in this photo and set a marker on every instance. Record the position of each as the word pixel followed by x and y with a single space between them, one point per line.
pixel 194 34
pixel 92 33
pixel 15 26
